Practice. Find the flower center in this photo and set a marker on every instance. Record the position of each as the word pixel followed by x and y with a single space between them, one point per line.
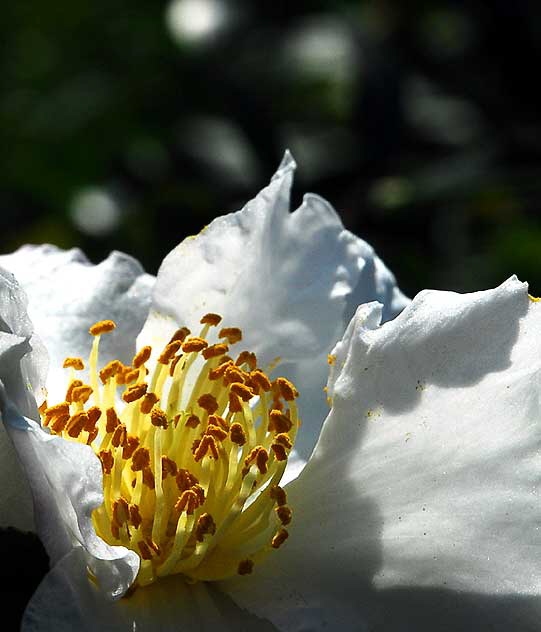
pixel 193 445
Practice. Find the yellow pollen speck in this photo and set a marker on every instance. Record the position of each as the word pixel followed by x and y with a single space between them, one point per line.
pixel 102 327
pixel 331 359
pixel 192 445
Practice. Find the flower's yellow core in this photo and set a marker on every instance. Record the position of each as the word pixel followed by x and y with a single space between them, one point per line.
pixel 193 445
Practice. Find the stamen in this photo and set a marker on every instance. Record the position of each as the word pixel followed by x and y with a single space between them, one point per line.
pixel 192 444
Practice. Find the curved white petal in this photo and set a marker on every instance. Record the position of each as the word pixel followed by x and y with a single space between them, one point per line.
pixel 282 277
pixel 66 482
pixel 67 601
pixel 67 294
pixel 423 490
pixel 376 283
pixel 23 363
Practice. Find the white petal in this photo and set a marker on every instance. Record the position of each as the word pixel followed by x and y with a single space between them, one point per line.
pixel 423 490
pixel 66 482
pixel 282 277
pixel 67 294
pixel 376 283
pixel 22 371
pixel 67 601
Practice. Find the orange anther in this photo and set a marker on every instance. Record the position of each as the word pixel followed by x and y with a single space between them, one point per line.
pixel 74 363
pixel 284 514
pixel 279 495
pixel 205 525
pixel 234 374
pixel 279 422
pixel 169 352
pixel 132 443
pixel 94 413
pixel 141 356
pixel 206 445
pixel 107 460
pixel 148 478
pixel 145 551
pixel 148 403
pixel 81 393
pixel 185 480
pixel 211 319
pixel 121 512
pixel 112 420
pixel 192 421
pixel 245 567
pixel 233 334
pixel 59 423
pixel 180 334
pixel 188 502
pixel 135 516
pixel 76 424
pixel 235 405
pixel 208 402
pixel 120 436
pixel 287 389
pixel 169 467
pixel 134 392
pixel 158 418
pixel 73 384
pixel 110 369
pixel 215 351
pixel 140 459
pixel 237 434
pixel 194 344
pixel 281 536
pixel 243 391
pixel 259 378
pixel 102 327
pixel 248 358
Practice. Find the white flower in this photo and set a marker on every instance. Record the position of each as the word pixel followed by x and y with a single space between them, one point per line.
pixel 419 502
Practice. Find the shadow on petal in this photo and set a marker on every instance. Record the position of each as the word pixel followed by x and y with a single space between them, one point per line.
pixel 66 600
pixel 440 610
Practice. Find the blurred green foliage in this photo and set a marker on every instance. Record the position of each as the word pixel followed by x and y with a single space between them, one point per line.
pixel 132 125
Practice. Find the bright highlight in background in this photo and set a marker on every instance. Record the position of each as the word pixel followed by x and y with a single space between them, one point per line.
pixel 94 211
pixel 194 21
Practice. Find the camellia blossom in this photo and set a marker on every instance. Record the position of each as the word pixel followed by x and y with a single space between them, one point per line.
pixel 157 464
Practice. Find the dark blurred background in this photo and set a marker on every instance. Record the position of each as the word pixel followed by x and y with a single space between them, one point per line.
pixel 131 125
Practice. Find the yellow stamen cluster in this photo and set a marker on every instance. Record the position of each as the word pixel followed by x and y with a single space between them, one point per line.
pixel 193 446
